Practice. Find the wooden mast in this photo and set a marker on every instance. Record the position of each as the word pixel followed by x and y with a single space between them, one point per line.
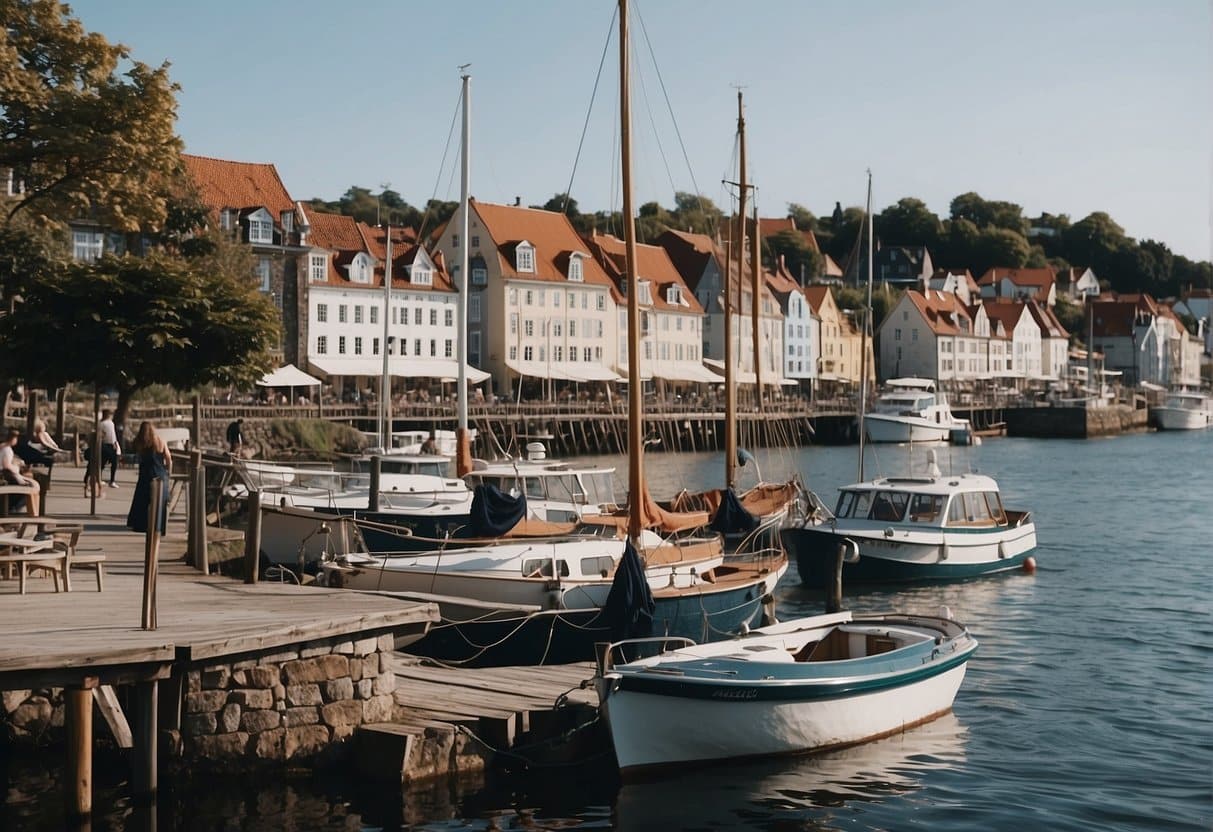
pixel 730 394
pixel 635 395
pixel 755 277
pixel 463 448
pixel 863 339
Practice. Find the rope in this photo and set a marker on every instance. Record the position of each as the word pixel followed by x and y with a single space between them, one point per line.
pixel 441 165
pixel 589 110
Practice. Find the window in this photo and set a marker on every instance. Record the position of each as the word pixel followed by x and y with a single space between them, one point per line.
pixel 588 353
pixel 260 228
pixel 897 335
pixel 674 295
pixel 542 297
pixel 513 323
pixel 585 300
pixel 572 300
pixel 529 298
pixel 914 334
pixel 374 314
pixel 341 345
pixel 598 353
pixel 557 328
pixel 678 326
pixel 528 353
pixel 558 354
pixel 375 346
pixel 288 220
pixel 404 346
pixel 513 297
pixel 542 354
pixel 454 241
pixel 524 257
pixel 322 312
pixel 417 316
pixel 474 347
pixel 646 293
pixel 480 275
pixel 528 327
pixel 86 245
pixel 448 349
pixel 319 267
pixel 417 347
pixel 448 317
pixel 474 308
pixel 573 354
pixel 475 241
pixel 556 299
pixel 341 314
pixel 573 329
pixel 357 345
pixel 358 314
pixel 433 317
pixel 322 345
pixel 513 353
pixel 433 348
pixel 575 268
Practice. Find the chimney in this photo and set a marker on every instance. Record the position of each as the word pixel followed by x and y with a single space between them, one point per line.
pixel 517 202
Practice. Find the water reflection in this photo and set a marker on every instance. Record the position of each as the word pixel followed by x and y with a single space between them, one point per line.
pixel 816 792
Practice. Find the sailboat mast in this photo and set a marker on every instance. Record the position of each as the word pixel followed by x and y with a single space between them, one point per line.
pixel 462 445
pixel 385 383
pixel 730 396
pixel 863 340
pixel 755 272
pixel 635 396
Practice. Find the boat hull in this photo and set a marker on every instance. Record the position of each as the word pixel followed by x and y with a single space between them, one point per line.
pixel 563 636
pixel 941 557
pixel 882 428
pixel 1179 418
pixel 421 530
pixel 652 730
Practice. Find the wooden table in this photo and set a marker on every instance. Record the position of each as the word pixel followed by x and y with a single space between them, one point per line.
pixel 25 552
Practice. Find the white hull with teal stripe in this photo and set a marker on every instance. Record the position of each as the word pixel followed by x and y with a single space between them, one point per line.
pixel 807 685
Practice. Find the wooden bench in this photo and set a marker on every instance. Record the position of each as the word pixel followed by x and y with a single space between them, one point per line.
pixel 30 492
pixel 26 553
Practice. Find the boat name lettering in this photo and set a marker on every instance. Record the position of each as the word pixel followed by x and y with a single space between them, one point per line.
pixel 747 693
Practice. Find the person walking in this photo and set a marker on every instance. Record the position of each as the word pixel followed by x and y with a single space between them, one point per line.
pixel 155 463
pixel 110 449
pixel 235 436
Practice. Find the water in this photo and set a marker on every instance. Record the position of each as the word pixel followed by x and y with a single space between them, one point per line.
pixel 1088 706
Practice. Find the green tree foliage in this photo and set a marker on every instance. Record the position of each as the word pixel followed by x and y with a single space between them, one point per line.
pixel 130 322
pixel 803 217
pixel 998 247
pixel 695 213
pixel 85 139
pixel 985 213
pixel 908 222
pixel 1072 316
pixel 798 255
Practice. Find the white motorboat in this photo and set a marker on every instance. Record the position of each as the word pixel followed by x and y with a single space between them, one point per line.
pixel 811 684
pixel 932 527
pixel 912 411
pixel 556 491
pixel 1185 410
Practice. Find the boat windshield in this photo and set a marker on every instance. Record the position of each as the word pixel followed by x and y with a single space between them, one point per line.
pixel 926 508
pixel 903 403
pixel 565 488
pixel 885 506
pixel 599 488
pixel 976 508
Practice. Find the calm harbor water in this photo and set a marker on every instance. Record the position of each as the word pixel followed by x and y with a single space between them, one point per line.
pixel 1088 706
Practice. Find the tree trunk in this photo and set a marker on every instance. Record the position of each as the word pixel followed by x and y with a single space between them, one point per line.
pixel 125 396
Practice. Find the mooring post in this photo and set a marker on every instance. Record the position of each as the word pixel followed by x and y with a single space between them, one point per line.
pixel 834 602
pixel 31 411
pixel 78 721
pixel 252 539
pixel 92 474
pixel 151 553
pixel 144 772
pixel 198 498
pixel 373 496
pixel 61 415
pixel 196 425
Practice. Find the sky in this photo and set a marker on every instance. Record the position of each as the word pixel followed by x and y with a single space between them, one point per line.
pixel 1065 106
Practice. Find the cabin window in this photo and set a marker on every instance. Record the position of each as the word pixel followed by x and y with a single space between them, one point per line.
pixel 889 506
pixel 534 488
pixel 854 504
pixel 994 503
pixel 600 565
pixel 542 568
pixel 926 508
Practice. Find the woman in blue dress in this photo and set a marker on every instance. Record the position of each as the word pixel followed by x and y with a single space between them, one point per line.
pixel 155 462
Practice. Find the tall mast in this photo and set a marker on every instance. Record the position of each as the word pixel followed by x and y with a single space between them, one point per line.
pixel 463 452
pixel 863 339
pixel 755 271
pixel 635 396
pixel 730 393
pixel 385 383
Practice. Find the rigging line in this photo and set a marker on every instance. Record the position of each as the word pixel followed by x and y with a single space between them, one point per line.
pixel 441 165
pixel 589 110
pixel 690 171
pixel 644 94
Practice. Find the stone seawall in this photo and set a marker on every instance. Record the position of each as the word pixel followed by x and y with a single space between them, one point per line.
pixel 1074 422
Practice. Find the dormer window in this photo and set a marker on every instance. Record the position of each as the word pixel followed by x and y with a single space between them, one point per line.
pixel 260 227
pixel 673 295
pixel 318 266
pixel 226 219
pixel 646 293
pixel 361 269
pixel 524 258
pixel 287 219
pixel 575 274
pixel 421 275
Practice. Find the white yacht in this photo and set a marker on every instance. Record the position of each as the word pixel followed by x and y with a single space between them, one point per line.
pixel 1185 410
pixel 556 491
pixel 912 411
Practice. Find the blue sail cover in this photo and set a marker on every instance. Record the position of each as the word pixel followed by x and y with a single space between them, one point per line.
pixel 494 512
pixel 732 517
pixel 629 606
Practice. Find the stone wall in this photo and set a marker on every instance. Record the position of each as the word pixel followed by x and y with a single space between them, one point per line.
pixel 294 704
pixel 289 705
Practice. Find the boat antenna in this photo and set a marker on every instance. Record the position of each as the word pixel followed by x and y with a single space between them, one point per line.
pixel 863 341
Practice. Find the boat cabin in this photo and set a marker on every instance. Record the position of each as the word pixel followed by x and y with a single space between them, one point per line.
pixel 910 500
pixel 555 482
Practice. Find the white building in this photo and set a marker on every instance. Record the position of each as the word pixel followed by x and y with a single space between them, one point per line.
pixel 801 327
pixel 1020 284
pixel 1024 351
pixel 931 335
pixel 1146 341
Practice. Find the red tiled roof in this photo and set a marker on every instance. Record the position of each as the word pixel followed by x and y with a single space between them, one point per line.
pixel 942 311
pixel 1004 310
pixel 1041 278
pixel 346 237
pixel 225 184
pixel 816 295
pixel 1049 326
pixel 689 253
pixel 652 264
pixel 404 253
pixel 552 235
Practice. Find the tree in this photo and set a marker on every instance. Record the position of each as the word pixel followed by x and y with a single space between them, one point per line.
pixel 799 256
pixel 695 213
pixel 803 217
pixel 130 322
pixel 998 247
pixel 82 138
pixel 1072 316
pixel 562 204
pixel 909 222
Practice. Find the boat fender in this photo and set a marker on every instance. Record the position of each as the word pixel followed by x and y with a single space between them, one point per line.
pixel 850 550
pixel 1002 549
pixel 943 551
pixel 888 532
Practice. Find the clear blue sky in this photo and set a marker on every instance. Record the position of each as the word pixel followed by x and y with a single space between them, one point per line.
pixel 1067 107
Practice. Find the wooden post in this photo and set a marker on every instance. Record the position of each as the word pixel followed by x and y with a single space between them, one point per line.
pixel 94 484
pixel 31 410
pixel 252 539
pixel 373 497
pixel 78 719
pixel 196 426
pixel 144 754
pixel 198 513
pixel 834 602
pixel 60 413
pixel 151 554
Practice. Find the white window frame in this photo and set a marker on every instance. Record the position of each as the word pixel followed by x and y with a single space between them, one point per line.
pixel 474 308
pixel 576 274
pixel 322 345
pixel 322 313
pixel 524 258
pixel 319 267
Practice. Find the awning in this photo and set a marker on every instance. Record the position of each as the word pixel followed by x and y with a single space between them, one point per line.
pixel 288 376
pixel 558 371
pixel 744 376
pixel 685 371
pixel 446 369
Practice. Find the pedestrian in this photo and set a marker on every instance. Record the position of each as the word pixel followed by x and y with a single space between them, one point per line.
pixel 10 470
pixel 155 462
pixel 110 449
pixel 235 436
